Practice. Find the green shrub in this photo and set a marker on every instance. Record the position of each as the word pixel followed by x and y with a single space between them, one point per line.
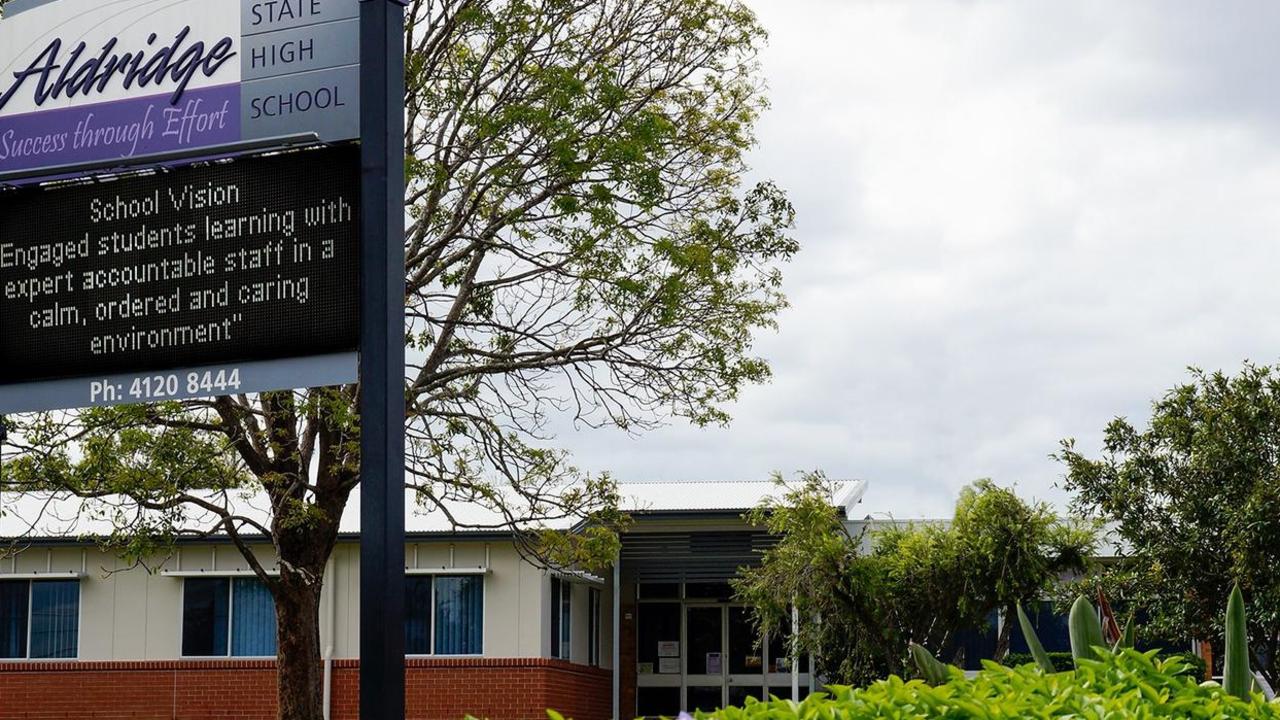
pixel 1126 685
pixel 1198 667
pixel 1060 659
pixel 1063 660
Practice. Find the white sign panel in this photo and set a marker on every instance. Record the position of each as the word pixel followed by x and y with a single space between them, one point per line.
pixel 86 81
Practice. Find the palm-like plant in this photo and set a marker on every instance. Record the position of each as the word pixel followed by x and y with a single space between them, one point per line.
pixel 1087 643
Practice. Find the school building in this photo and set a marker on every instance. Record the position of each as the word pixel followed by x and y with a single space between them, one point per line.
pixel 487 633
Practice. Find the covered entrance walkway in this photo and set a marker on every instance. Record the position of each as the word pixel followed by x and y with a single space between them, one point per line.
pixel 681 642
pixel 685 643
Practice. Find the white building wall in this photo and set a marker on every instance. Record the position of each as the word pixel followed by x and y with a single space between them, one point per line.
pixel 135 613
pixel 344 579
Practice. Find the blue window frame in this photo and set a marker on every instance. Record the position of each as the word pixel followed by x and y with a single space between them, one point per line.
pixel 228 617
pixel 459 615
pixel 561 619
pixel 444 615
pixel 593 631
pixel 417 615
pixel 14 597
pixel 39 619
pixel 253 619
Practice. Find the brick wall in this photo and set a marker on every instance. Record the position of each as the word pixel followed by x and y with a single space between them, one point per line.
pixel 437 689
pixel 498 689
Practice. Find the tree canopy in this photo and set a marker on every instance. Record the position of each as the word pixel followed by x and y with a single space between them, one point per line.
pixel 863 596
pixel 1192 499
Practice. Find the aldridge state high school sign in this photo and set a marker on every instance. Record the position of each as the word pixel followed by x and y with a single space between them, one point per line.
pixel 185 213
pixel 220 278
pixel 93 80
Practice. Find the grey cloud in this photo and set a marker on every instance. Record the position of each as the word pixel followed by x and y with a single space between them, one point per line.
pixel 1019 221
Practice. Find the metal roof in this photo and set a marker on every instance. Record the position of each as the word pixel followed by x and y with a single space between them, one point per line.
pixel 723 497
pixel 42 515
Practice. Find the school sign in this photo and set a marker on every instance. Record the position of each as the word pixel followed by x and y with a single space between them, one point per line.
pixel 185 212
pixel 235 277
pixel 83 81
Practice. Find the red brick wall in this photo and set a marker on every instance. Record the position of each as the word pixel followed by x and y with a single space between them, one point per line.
pixel 437 689
pixel 498 689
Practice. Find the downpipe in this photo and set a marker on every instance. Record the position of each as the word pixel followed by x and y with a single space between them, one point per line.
pixel 328 648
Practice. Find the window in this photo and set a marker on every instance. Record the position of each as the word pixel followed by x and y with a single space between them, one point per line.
pixel 227 617
pixel 444 615
pixel 39 619
pixel 593 642
pixel 779 655
pixel 561 618
pixel 719 591
pixel 657 626
pixel 658 591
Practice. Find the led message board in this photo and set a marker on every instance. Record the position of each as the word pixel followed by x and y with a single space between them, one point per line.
pixel 230 277
pixel 86 81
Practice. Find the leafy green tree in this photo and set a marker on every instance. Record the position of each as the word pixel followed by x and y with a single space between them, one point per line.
pixel 1014 552
pixel 582 248
pixel 865 596
pixel 1192 500
pixel 818 568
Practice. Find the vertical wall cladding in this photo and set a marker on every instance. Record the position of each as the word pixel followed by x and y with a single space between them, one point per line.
pixel 628 651
pixel 437 689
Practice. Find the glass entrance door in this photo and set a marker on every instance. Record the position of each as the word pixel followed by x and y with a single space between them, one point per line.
pixel 746 658
pixel 726 663
pixel 704 663
pixel 778 670
pixel 699 654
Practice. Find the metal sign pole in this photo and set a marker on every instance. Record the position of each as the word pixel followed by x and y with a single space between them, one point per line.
pixel 382 358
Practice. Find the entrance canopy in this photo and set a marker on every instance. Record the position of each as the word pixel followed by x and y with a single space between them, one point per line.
pixel 682 641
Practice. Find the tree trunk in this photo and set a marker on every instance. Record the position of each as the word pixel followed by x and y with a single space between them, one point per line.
pixel 300 678
pixel 1006 630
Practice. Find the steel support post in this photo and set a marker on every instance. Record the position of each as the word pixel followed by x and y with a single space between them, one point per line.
pixel 382 361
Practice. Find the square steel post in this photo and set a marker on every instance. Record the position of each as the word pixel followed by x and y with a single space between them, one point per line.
pixel 382 361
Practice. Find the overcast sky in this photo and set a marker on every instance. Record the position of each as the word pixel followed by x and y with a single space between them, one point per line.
pixel 1019 220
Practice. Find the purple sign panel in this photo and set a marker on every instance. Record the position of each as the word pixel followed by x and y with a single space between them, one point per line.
pixel 121 129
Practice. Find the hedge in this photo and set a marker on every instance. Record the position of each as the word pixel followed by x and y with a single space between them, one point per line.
pixel 1128 685
pixel 1064 661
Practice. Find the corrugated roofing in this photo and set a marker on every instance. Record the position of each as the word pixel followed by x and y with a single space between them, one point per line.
pixel 41 515
pixel 711 496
